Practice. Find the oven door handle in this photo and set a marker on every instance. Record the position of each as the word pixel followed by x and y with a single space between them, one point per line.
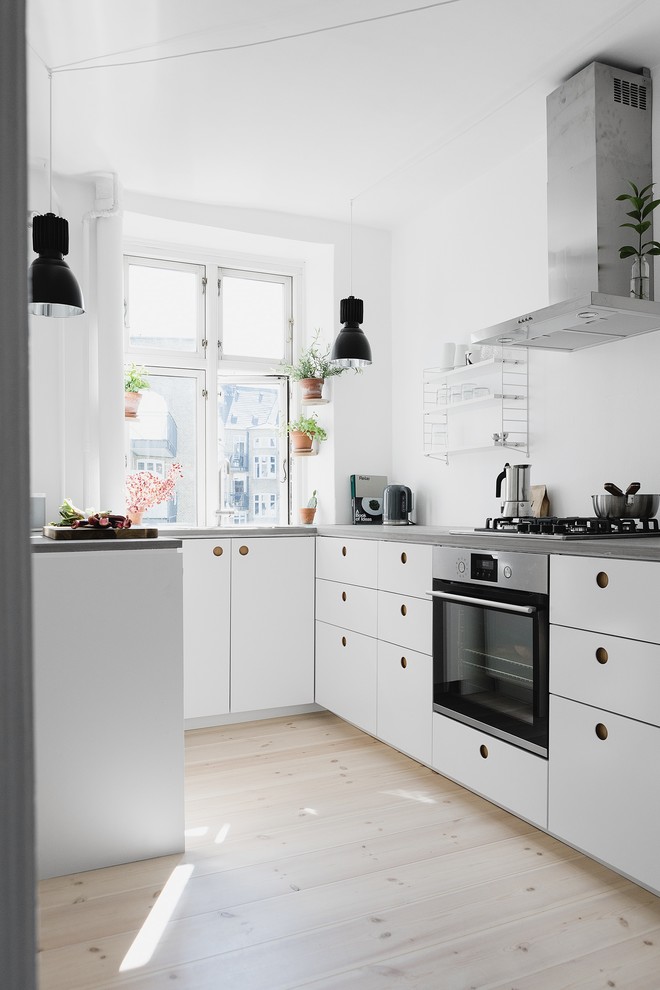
pixel 467 600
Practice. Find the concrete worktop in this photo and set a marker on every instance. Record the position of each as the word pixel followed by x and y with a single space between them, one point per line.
pixel 626 548
pixel 43 544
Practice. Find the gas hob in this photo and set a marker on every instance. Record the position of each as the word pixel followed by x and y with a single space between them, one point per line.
pixel 570 527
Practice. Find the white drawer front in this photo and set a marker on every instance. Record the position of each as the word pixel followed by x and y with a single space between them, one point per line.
pixel 620 675
pixel 405 701
pixel 604 796
pixel 405 620
pixel 509 776
pixel 346 675
pixel 351 561
pixel 619 597
pixel 406 568
pixel 348 606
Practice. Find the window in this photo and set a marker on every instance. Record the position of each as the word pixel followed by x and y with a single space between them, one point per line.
pixel 229 437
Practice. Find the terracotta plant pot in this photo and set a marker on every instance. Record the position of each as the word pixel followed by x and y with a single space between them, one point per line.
pixel 131 403
pixel 307 516
pixel 312 388
pixel 135 517
pixel 300 441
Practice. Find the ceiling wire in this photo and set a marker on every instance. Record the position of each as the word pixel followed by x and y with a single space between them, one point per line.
pixel 81 66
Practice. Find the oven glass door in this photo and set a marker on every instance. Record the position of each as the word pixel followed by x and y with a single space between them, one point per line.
pixel 490 658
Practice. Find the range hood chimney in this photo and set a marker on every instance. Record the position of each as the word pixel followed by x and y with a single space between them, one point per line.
pixel 599 139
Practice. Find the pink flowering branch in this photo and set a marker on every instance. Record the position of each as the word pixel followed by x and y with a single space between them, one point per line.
pixel 144 488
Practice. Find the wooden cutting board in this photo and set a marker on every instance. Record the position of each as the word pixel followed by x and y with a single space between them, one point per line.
pixel 94 533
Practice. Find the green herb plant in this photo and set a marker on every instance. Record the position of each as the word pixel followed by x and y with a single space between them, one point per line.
pixel 643 205
pixel 313 502
pixel 135 379
pixel 308 425
pixel 313 363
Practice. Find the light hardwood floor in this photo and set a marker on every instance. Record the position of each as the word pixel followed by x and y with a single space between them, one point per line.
pixel 322 858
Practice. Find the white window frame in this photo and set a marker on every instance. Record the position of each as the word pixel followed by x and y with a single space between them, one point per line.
pixel 284 357
pixel 162 354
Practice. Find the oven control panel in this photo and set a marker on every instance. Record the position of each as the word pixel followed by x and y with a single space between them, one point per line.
pixel 518 571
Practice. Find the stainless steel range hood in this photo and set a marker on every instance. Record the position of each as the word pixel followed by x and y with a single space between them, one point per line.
pixel 599 138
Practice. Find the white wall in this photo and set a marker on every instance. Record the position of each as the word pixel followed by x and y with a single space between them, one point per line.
pixel 478 258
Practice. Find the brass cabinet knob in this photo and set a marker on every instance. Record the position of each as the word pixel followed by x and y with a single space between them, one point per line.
pixel 404 662
pixel 404 557
pixel 343 596
pixel 602 656
pixel 244 551
pixel 343 641
pixel 602 580
pixel 601 731
pixel 343 551
pixel 483 751
pixel 404 610
pixel 218 551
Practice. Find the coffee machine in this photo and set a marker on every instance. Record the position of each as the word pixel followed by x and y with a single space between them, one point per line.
pixel 397 505
pixel 514 490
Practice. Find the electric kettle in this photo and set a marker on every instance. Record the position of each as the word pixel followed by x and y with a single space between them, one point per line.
pixel 397 505
pixel 513 488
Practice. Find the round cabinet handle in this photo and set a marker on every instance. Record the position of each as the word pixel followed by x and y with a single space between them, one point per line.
pixel 343 596
pixel 601 731
pixel 343 641
pixel 218 551
pixel 483 752
pixel 602 656
pixel 404 610
pixel 404 557
pixel 404 662
pixel 244 551
pixel 343 551
pixel 602 580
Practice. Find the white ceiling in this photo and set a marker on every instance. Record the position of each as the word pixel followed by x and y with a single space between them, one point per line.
pixel 375 112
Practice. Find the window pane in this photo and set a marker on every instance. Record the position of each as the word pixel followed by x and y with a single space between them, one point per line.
pixel 254 318
pixel 164 433
pixel 253 487
pixel 163 307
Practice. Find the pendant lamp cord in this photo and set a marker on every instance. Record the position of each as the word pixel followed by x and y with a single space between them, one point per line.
pixel 350 254
pixel 50 138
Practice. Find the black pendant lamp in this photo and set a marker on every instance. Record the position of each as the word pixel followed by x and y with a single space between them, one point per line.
pixel 52 286
pixel 351 348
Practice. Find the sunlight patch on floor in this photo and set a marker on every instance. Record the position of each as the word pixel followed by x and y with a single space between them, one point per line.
pixel 222 833
pixel 146 940
pixel 413 796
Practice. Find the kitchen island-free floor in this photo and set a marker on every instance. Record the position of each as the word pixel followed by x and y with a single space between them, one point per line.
pixel 322 858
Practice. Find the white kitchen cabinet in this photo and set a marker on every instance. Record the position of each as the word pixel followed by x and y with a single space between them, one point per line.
pixel 505 774
pixel 108 707
pixel 405 620
pixel 405 693
pixel 346 674
pixel 351 561
pixel 272 623
pixel 347 605
pixel 610 672
pixel 619 597
pixel 206 626
pixel 405 568
pixel 605 787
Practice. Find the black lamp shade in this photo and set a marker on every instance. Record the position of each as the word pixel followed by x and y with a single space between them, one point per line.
pixel 52 286
pixel 351 348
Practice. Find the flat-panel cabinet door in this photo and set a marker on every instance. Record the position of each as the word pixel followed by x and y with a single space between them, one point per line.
pixel 406 568
pixel 405 701
pixel 604 787
pixel 406 620
pixel 272 623
pixel 352 561
pixel 347 605
pixel 619 597
pixel 206 594
pixel 346 675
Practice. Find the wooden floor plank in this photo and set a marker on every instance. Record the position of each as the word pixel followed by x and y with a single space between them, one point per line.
pixel 302 879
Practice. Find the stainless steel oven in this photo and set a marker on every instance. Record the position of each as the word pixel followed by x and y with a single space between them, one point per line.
pixel 490 642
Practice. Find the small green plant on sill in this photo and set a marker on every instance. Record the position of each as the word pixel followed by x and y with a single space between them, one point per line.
pixel 313 502
pixel 135 379
pixel 314 363
pixel 308 425
pixel 643 205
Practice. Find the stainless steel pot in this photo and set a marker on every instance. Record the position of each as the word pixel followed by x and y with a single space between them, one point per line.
pixel 626 506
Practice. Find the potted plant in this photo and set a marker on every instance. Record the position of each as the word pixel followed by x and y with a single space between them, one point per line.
pixel 307 512
pixel 135 382
pixel 144 489
pixel 312 368
pixel 643 205
pixel 303 431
